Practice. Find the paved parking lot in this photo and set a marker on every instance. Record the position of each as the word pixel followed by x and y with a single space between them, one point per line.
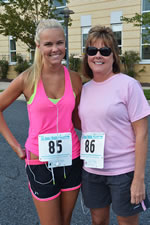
pixel 16 206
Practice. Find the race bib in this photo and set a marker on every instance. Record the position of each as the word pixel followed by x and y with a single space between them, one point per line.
pixel 56 149
pixel 92 149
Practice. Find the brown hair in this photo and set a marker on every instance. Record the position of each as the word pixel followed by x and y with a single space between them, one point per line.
pixel 107 36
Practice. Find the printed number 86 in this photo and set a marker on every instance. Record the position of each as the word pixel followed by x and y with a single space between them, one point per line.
pixel 90 146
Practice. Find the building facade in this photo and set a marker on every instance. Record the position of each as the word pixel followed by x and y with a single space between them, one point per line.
pixel 88 13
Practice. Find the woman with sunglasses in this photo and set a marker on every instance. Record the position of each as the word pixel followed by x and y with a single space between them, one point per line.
pixel 53 165
pixel 113 112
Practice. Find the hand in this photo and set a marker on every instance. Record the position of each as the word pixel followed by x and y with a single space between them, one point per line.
pixel 137 191
pixel 21 153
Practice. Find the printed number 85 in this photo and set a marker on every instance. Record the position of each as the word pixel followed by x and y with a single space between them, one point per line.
pixel 52 146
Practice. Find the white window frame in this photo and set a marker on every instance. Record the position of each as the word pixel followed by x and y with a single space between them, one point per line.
pixel 11 51
pixel 118 28
pixel 143 61
pixel 84 30
pixel 116 24
pixel 31 50
pixel 86 23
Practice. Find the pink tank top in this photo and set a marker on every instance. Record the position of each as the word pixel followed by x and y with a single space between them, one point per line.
pixel 46 117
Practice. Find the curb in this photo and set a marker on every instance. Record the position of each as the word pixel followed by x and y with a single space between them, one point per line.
pixel 4 85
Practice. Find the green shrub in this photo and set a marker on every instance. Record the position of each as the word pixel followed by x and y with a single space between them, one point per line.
pixel 22 64
pixel 129 59
pixel 74 63
pixel 4 66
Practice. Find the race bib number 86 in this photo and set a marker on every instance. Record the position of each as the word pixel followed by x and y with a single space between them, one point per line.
pixel 92 149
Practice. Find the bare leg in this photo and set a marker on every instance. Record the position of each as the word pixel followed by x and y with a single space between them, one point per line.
pixel 48 211
pixel 130 220
pixel 100 216
pixel 68 200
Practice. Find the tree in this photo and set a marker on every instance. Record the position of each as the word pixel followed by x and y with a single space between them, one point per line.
pixel 141 20
pixel 19 18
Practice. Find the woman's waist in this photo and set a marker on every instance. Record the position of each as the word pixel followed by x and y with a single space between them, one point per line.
pixel 33 159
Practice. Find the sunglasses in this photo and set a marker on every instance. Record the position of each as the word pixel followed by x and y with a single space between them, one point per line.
pixel 105 51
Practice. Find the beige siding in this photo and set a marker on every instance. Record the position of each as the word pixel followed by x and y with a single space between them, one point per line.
pixel 22 49
pixel 4 48
pixel 100 11
pixel 12 73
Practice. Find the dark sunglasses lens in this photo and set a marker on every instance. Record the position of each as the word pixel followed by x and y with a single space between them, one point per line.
pixel 92 51
pixel 105 51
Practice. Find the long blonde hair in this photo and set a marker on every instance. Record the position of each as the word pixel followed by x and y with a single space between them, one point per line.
pixel 34 72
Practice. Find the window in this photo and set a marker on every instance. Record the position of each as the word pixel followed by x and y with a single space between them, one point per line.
pixel 145 42
pixel 32 53
pixel 117 29
pixel 85 27
pixel 58 4
pixel 116 26
pixel 85 31
pixel 146 5
pixel 12 49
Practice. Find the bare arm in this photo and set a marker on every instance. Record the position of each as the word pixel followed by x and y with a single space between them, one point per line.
pixel 7 97
pixel 77 86
pixel 138 186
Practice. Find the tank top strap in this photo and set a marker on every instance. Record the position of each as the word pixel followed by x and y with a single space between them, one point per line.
pixel 68 84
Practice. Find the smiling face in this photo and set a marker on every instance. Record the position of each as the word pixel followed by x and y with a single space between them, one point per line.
pixel 52 46
pixel 101 66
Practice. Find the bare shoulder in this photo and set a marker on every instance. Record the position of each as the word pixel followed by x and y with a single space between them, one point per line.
pixel 76 81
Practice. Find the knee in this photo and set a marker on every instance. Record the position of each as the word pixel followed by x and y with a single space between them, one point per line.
pixel 129 220
pixel 100 216
pixel 100 221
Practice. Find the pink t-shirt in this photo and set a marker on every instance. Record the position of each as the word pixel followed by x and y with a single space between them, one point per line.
pixel 46 117
pixel 110 107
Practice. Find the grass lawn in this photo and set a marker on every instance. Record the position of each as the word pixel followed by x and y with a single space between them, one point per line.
pixel 147 93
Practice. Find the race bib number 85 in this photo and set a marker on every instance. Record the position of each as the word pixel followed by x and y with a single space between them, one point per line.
pixel 56 149
pixel 92 149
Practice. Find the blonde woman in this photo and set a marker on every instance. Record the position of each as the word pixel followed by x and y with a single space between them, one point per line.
pixel 52 148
